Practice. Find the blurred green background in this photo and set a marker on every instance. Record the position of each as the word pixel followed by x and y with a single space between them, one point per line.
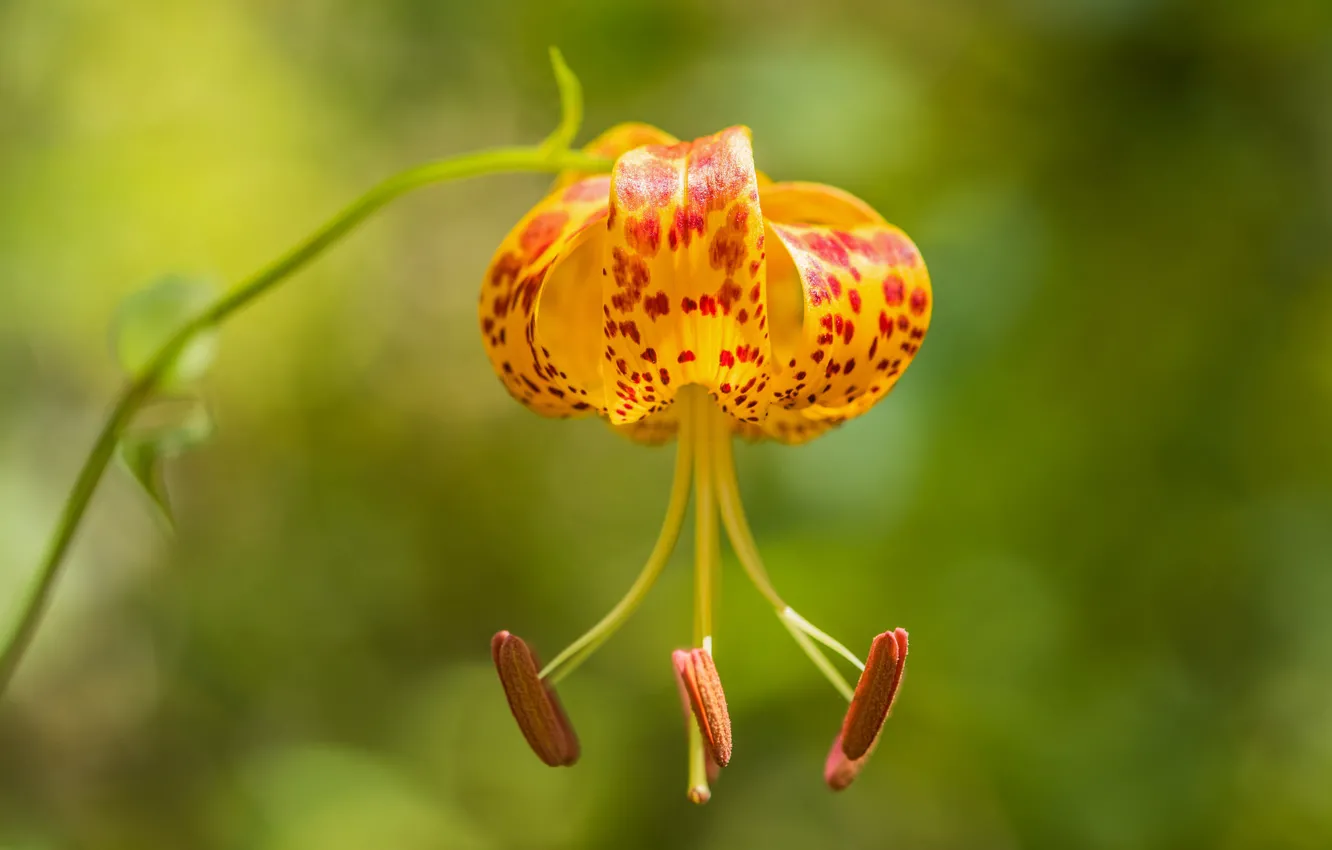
pixel 1101 501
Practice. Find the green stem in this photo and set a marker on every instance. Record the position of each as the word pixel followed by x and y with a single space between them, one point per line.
pixel 497 161
pixel 580 650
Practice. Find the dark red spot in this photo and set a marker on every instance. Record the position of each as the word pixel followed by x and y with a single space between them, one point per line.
pixel 657 305
pixel 727 295
pixel 686 356
pixel 726 388
pixel 631 277
pixel 630 329
pixel 826 248
pixel 541 232
pixel 849 332
pixel 688 304
pixel 727 250
pixel 742 316
pixel 665 377
pixel 707 305
pixel 650 355
pixel 727 358
pixel 643 234
pixel 893 290
pixel 853 296
pixel 903 323
pixel 920 299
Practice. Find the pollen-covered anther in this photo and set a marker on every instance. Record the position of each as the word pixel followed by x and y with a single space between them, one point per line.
pixel 870 705
pixel 697 677
pixel 533 703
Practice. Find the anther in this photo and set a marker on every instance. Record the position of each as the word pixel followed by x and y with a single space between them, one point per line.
pixel 697 677
pixel 533 702
pixel 870 704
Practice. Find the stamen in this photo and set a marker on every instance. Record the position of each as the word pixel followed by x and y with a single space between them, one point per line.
pixel 710 742
pixel 533 703
pixel 874 693
pixel 870 706
pixel 819 635
pixel 580 650
pixel 701 687
pixel 840 771
pixel 820 661
pixel 742 541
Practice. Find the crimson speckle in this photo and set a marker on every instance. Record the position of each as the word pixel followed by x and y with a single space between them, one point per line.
pixel 853 296
pixel 657 305
pixel 726 358
pixel 893 290
pixel 688 304
pixel 920 299
pixel 541 232
pixel 686 356
pixel 650 355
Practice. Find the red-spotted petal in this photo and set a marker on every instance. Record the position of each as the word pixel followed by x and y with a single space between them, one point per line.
pixel 551 258
pixel 684 290
pixel 850 301
pixel 541 299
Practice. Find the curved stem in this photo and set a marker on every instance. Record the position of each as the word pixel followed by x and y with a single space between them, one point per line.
pixel 737 528
pixel 495 161
pixel 746 551
pixel 579 651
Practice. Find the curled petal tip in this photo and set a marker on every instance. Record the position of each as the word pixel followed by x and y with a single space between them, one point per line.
pixel 874 696
pixel 701 691
pixel 533 702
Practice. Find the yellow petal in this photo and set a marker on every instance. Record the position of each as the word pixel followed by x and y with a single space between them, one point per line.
pixel 851 302
pixel 684 286
pixel 540 300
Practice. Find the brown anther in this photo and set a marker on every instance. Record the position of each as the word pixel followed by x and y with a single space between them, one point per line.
pixel 874 693
pixel 698 680
pixel 533 702
pixel 870 705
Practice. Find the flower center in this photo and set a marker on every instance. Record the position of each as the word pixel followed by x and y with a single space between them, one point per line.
pixel 704 458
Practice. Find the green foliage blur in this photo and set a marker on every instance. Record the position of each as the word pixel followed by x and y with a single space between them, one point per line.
pixel 1101 500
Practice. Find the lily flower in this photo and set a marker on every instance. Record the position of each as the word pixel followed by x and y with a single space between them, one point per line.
pixel 685 295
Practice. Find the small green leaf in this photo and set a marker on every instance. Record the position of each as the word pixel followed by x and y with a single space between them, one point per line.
pixel 147 319
pixel 163 430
